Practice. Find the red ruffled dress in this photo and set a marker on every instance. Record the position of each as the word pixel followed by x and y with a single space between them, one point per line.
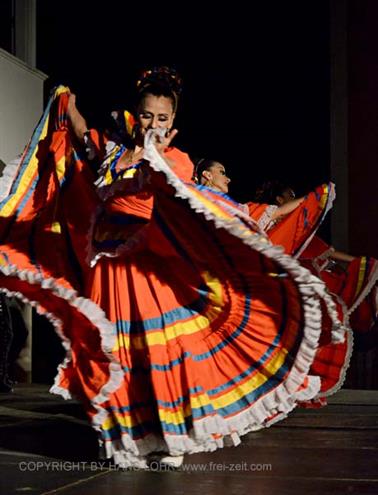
pixel 355 284
pixel 295 232
pixel 185 328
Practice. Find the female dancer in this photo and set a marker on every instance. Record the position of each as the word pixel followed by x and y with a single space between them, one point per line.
pixel 352 278
pixel 292 223
pixel 185 327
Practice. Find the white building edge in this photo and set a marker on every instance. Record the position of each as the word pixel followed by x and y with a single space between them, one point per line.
pixel 21 106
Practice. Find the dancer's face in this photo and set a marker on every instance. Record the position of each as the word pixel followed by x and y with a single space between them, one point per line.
pixel 155 112
pixel 216 178
pixel 285 197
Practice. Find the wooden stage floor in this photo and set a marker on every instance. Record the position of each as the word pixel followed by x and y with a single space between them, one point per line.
pixel 47 447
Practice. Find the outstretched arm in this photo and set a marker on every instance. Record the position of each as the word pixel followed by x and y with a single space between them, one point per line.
pixel 79 124
pixel 287 208
pixel 340 256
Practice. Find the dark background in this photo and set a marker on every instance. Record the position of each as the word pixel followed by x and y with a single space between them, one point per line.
pixel 256 76
pixel 256 81
pixel 257 85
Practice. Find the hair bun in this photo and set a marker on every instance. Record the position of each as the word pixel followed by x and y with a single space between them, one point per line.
pixel 162 75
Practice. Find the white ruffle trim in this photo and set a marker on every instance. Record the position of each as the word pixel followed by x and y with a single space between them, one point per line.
pixel 264 411
pixel 341 380
pixel 348 339
pixel 204 435
pixel 57 324
pixel 93 313
pixel 267 409
pixel 308 283
pixel 266 220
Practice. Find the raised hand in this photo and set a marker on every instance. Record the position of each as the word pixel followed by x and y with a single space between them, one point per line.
pixel 162 139
pixel 79 124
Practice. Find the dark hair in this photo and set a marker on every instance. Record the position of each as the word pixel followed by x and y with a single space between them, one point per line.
pixel 200 165
pixel 121 126
pixel 160 81
pixel 269 190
